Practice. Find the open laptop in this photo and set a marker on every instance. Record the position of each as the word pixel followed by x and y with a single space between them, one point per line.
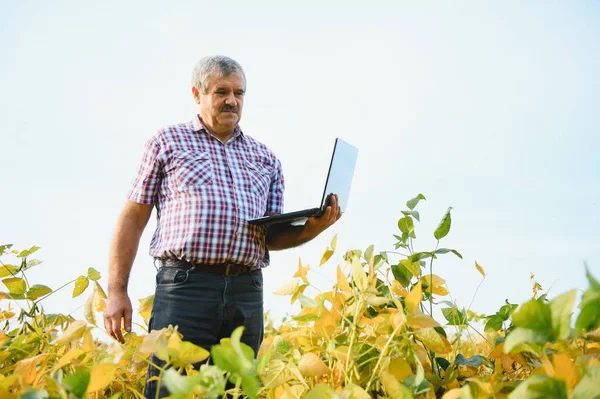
pixel 339 181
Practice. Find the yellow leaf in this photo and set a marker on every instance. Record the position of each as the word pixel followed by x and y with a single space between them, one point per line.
pixel 67 358
pixel 414 297
pixel 564 369
pixel 399 368
pixel 358 275
pixel 145 308
pixel 88 342
pixel 7 270
pixel 15 285
pixel 326 255
pixel 334 242
pixel 301 272
pixel 310 365
pixel 101 376
pixel 454 393
pixel 88 310
pixel 26 369
pixel 397 319
pixel 75 331
pixel 435 283
pixel 299 291
pixel 420 320
pixel 288 289
pixel 376 300
pixel 342 282
pixel 98 287
pixel 485 387
pixel 81 284
pixel 5 315
pixel 433 340
pixel 398 289
pixel 393 387
pixel 189 353
pixel 479 269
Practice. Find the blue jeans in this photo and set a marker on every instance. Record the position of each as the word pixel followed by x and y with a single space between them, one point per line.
pixel 206 307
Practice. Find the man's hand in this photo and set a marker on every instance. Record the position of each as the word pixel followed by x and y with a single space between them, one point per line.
pixel 118 307
pixel 286 236
pixel 316 225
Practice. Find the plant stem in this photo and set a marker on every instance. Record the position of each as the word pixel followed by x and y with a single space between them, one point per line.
pixel 353 336
pixel 385 348
pixel 58 289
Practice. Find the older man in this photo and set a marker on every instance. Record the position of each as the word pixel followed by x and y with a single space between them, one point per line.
pixel 206 178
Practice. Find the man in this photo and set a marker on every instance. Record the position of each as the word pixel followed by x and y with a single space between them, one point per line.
pixel 206 178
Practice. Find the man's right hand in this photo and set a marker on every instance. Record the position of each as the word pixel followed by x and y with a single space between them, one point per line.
pixel 118 307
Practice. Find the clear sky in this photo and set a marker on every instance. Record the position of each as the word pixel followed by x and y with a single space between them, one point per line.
pixel 492 109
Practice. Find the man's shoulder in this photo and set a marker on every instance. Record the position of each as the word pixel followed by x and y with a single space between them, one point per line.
pixel 260 147
pixel 173 132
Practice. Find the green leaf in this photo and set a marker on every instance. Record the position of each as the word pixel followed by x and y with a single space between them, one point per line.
pixel 446 250
pixel 27 252
pixel 81 284
pixel 522 339
pixel 411 203
pixel 473 361
pixel 369 253
pixel 15 285
pixel 594 284
pixel 175 382
pixel 494 323
pixel 454 316
pixel 414 214
pixel 306 318
pixel 413 267
pixel 250 385
pixel 561 309
pixel 93 274
pixel 4 248
pixel 589 317
pixel 38 291
pixel 225 358
pixel 444 226
pixel 506 311
pixel 406 225
pixel 540 387
pixel 401 274
pixel 534 315
pixel 32 263
pixel 77 383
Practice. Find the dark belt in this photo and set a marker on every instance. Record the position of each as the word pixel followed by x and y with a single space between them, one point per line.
pixel 227 269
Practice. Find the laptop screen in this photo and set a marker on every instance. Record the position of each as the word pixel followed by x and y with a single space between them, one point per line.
pixel 341 171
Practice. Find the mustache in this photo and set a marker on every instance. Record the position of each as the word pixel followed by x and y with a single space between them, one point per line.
pixel 229 108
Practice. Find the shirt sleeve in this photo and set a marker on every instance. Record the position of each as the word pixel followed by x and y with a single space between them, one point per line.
pixel 145 185
pixel 275 198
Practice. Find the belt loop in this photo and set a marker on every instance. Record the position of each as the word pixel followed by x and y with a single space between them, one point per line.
pixel 188 271
pixel 154 263
pixel 227 268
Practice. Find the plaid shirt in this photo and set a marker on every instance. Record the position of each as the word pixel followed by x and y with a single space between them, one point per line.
pixel 205 191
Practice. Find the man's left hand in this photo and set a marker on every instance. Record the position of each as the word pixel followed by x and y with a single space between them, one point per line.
pixel 316 225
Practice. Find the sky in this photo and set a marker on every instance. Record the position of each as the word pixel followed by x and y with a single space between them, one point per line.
pixel 490 108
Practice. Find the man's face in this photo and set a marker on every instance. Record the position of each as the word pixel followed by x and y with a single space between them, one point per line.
pixel 221 106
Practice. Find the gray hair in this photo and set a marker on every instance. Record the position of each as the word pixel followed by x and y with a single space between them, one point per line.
pixel 219 64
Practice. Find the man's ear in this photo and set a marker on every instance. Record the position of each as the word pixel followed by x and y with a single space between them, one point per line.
pixel 196 94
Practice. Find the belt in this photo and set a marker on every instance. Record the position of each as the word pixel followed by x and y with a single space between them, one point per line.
pixel 227 269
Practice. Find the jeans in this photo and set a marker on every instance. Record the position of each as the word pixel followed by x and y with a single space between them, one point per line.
pixel 206 307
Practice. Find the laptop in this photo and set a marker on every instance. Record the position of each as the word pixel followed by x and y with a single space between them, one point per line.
pixel 339 181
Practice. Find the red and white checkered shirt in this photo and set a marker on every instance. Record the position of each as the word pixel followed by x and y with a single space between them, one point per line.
pixel 205 192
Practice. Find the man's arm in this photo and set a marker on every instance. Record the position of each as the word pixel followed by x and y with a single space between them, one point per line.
pixel 287 236
pixel 130 225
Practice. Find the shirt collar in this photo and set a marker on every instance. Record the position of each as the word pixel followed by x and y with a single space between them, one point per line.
pixel 198 126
